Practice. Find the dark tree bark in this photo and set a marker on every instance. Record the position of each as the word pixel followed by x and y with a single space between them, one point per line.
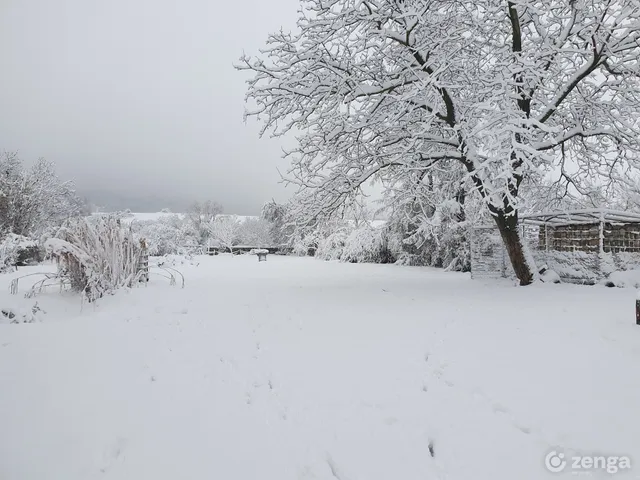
pixel 508 227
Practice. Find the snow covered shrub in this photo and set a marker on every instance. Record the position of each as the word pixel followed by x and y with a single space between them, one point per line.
pixel 304 244
pixel 445 246
pixel 434 236
pixel 549 276
pixel 367 245
pixel 163 236
pixel 29 255
pixel 332 246
pixel 17 250
pixel 17 315
pixel 453 250
pixel 580 267
pixel 97 255
pixel 622 279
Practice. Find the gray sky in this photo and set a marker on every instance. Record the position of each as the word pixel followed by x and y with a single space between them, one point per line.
pixel 137 101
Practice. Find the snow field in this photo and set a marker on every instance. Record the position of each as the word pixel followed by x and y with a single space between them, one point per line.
pixel 301 369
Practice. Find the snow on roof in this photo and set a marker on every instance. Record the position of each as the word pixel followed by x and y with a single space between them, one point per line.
pixel 149 216
pixel 585 216
pixel 238 218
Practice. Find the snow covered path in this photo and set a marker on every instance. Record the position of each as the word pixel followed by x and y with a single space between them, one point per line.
pixel 300 369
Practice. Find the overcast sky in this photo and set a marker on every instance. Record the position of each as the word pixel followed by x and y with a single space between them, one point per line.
pixel 137 101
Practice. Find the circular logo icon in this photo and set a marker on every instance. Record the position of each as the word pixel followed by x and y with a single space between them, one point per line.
pixel 555 462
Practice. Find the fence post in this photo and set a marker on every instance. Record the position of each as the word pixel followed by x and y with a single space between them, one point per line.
pixel 143 262
pixel 638 308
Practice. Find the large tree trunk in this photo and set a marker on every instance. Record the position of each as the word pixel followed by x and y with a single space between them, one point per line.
pixel 508 226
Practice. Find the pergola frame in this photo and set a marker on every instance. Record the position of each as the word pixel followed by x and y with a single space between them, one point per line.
pixel 600 216
pixel 580 217
pixel 550 220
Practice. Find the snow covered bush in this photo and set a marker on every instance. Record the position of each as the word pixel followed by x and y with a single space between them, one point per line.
pixel 163 236
pixel 332 238
pixel 16 315
pixel 622 279
pixel 436 238
pixel 549 276
pixel 305 243
pixel 97 255
pixel 367 245
pixel 18 250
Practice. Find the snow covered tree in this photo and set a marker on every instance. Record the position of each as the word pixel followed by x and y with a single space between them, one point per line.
pixel 224 230
pixel 495 92
pixel 277 215
pixel 255 232
pixel 31 200
pixel 199 216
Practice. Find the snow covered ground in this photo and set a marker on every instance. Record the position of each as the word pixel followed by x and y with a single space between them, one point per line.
pixel 301 369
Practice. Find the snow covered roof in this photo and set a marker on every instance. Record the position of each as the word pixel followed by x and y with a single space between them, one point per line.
pixel 586 216
pixel 149 216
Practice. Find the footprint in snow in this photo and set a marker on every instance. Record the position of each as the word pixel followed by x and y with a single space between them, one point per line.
pixel 501 409
pixel 114 453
